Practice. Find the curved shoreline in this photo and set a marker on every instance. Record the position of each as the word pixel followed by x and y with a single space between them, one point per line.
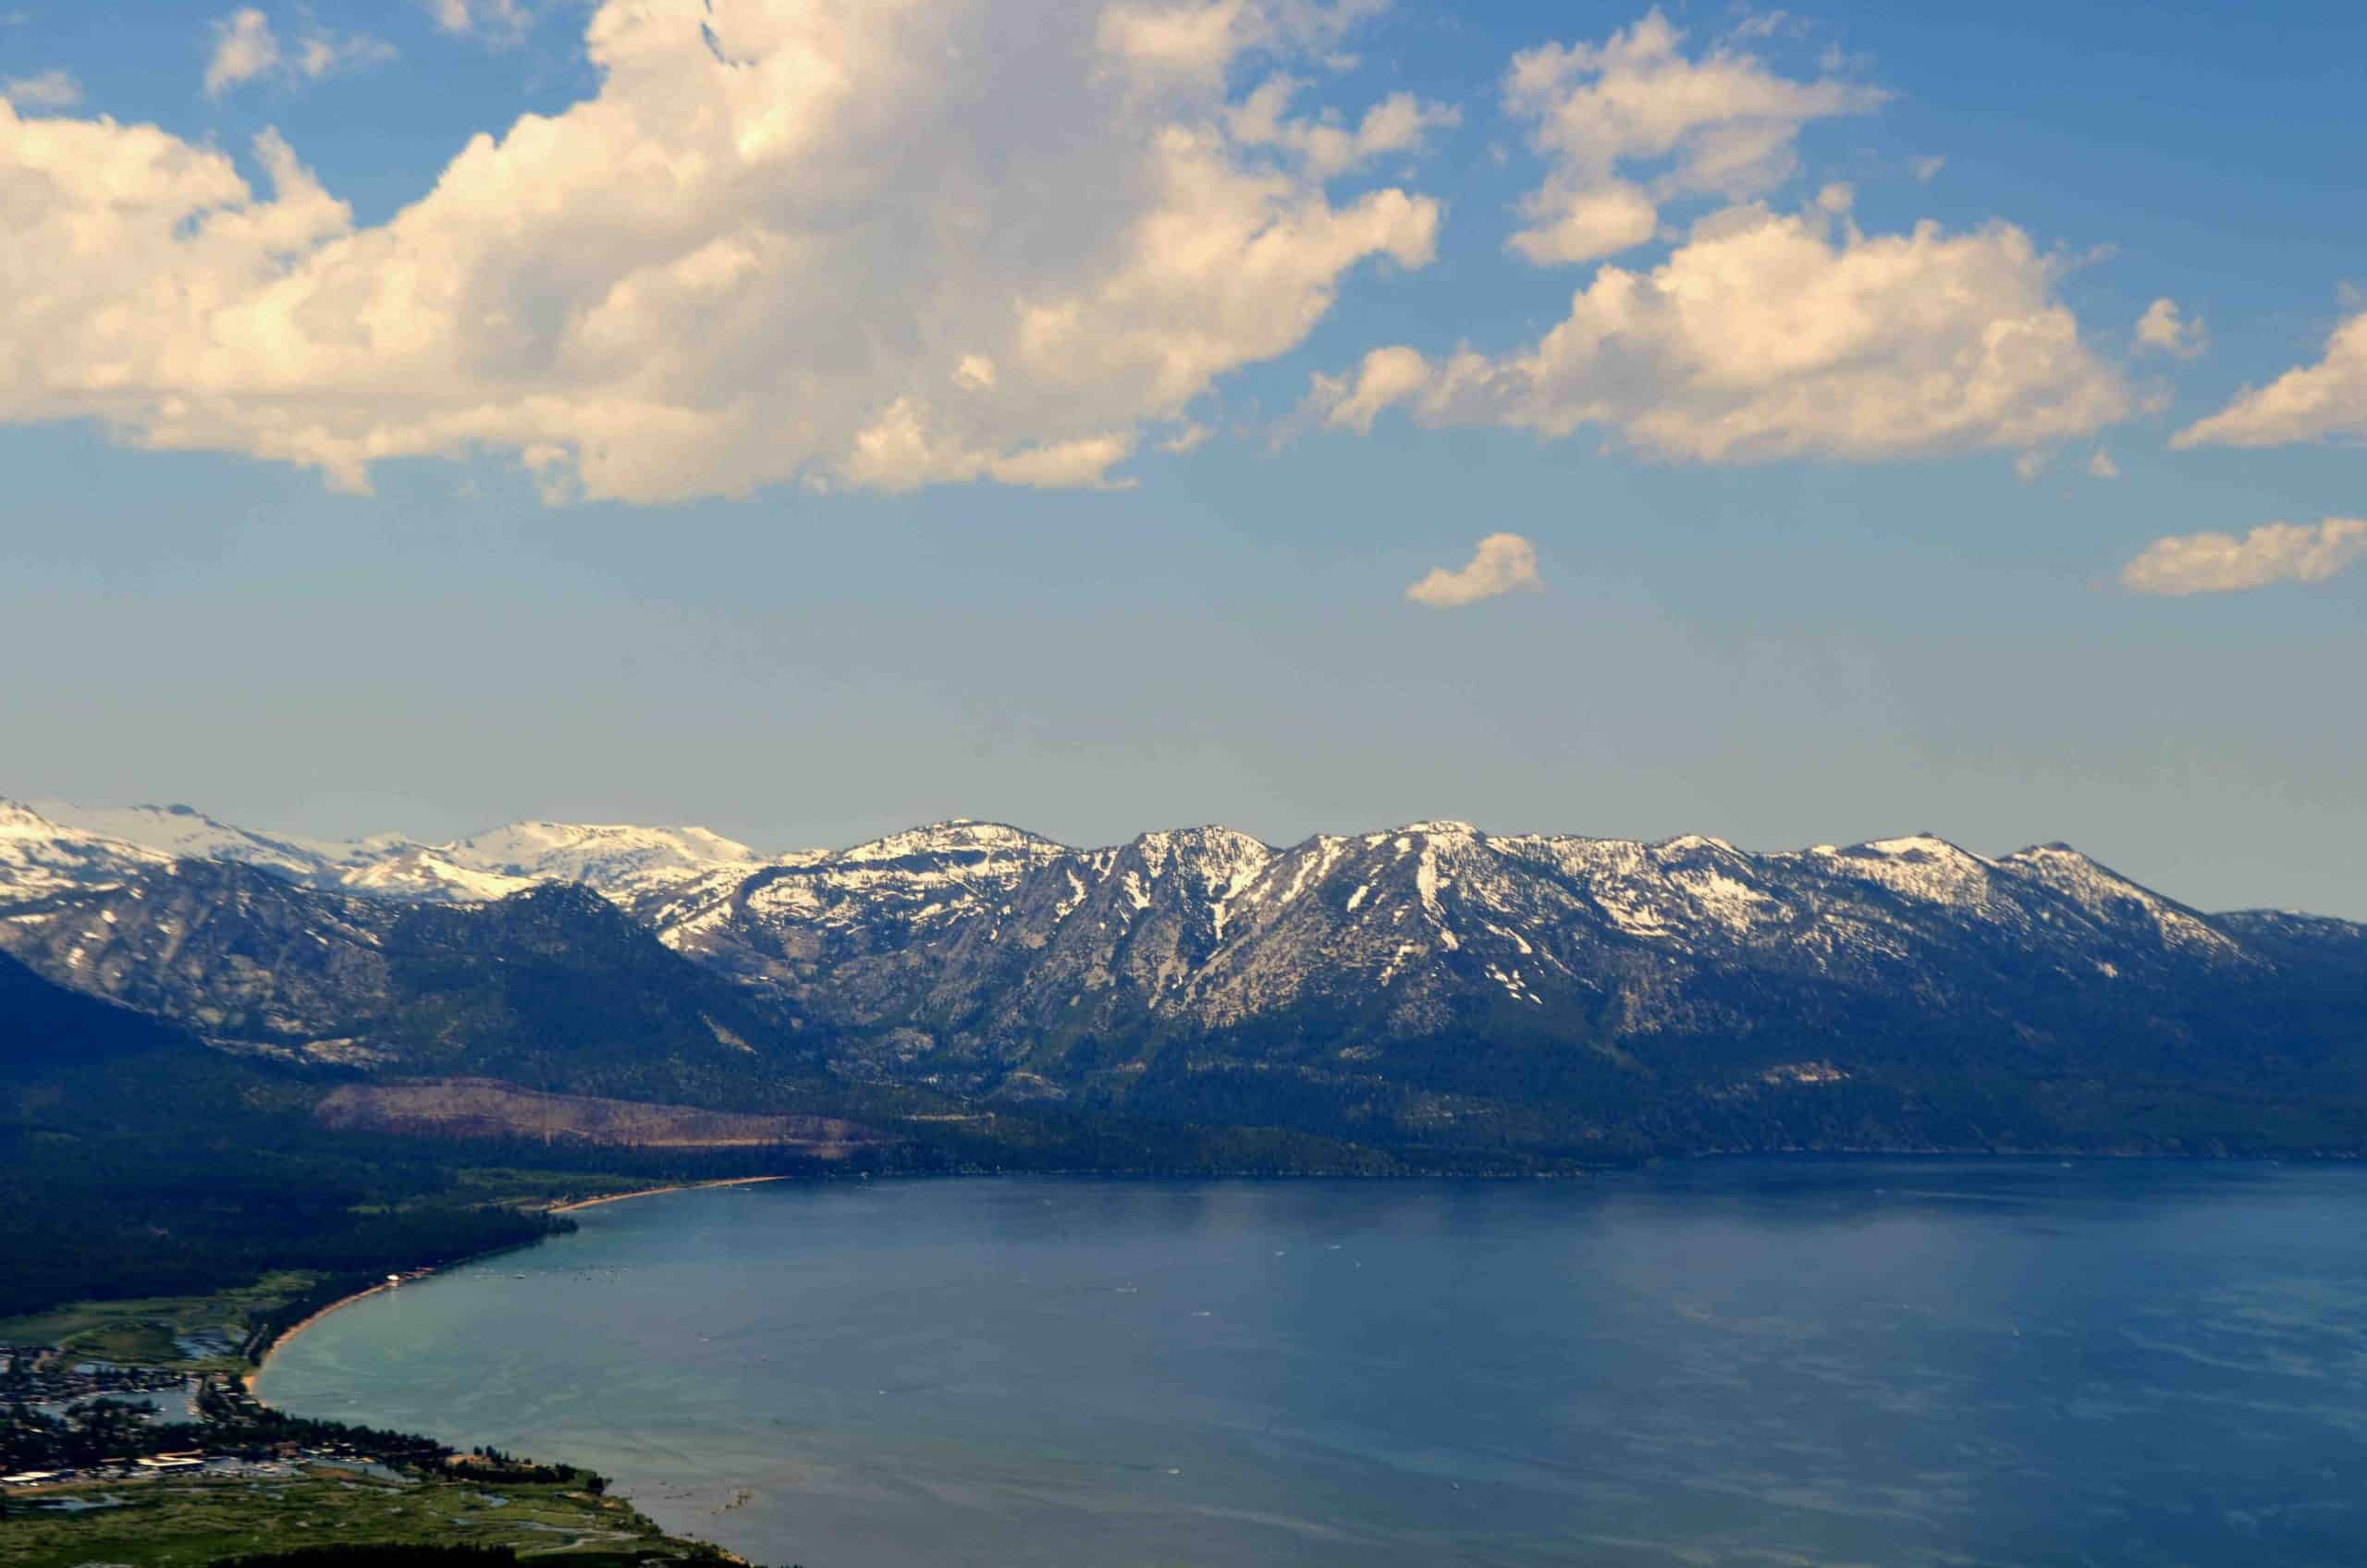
pixel 651 1191
pixel 248 1378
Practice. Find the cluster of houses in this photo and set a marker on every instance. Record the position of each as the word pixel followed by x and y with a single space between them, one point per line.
pixel 281 1462
pixel 37 1375
pixel 124 1469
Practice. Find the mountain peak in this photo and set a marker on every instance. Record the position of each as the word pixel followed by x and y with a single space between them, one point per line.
pixel 958 835
pixel 1919 844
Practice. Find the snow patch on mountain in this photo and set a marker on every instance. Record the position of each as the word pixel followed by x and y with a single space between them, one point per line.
pixel 41 858
pixel 427 875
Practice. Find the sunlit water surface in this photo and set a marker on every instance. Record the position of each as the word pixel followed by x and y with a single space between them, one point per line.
pixel 1745 1362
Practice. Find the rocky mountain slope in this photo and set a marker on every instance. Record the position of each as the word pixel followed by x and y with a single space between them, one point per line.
pixel 1433 983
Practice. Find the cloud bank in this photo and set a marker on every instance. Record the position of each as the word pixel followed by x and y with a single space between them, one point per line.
pixel 2221 563
pixel 870 243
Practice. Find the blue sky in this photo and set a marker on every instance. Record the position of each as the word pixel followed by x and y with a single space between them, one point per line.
pixel 830 496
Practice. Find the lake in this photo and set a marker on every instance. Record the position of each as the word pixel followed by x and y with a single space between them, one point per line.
pixel 1747 1362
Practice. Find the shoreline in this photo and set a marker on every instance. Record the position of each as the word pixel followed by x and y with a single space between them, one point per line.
pixel 571 1206
pixel 248 1378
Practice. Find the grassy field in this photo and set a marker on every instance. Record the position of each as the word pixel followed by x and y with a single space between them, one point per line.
pixel 187 1524
pixel 143 1330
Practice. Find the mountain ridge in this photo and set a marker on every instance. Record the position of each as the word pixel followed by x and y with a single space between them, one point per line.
pixel 491 854
pixel 1429 984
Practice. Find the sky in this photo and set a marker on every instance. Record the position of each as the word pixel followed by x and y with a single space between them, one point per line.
pixel 810 420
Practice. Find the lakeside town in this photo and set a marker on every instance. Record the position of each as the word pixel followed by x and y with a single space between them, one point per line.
pixel 67 1422
pixel 102 1461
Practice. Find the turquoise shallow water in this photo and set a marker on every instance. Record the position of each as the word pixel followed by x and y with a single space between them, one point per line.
pixel 1745 1362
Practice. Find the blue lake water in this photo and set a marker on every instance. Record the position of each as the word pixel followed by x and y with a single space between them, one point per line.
pixel 1750 1361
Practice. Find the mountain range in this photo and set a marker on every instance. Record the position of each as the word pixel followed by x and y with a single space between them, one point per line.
pixel 1430 988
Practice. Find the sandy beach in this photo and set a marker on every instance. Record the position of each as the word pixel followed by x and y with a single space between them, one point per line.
pixel 653 1192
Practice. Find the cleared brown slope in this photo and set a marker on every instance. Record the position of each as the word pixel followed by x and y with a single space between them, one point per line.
pixel 485 1107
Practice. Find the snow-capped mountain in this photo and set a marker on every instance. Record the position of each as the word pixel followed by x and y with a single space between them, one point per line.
pixel 184 833
pixel 982 948
pixel 42 859
pixel 1434 979
pixel 628 864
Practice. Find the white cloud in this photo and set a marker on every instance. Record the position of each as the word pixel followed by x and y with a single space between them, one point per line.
pixel 2328 399
pixel 321 54
pixel 2028 467
pixel 499 19
pixel 1397 124
pixel 1770 336
pixel 1762 333
pixel 1926 169
pixel 2100 466
pixel 1191 44
pixel 246 48
pixel 50 89
pixel 1722 123
pixel 2164 329
pixel 1387 376
pixel 884 244
pixel 1500 563
pixel 2219 563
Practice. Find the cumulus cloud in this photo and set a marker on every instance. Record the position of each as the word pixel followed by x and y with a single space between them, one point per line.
pixel 247 48
pixel 2219 563
pixel 1722 124
pixel 880 245
pixel 1500 563
pixel 2328 399
pixel 2100 466
pixel 2166 330
pixel 1762 333
pixel 1768 336
pixel 50 89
